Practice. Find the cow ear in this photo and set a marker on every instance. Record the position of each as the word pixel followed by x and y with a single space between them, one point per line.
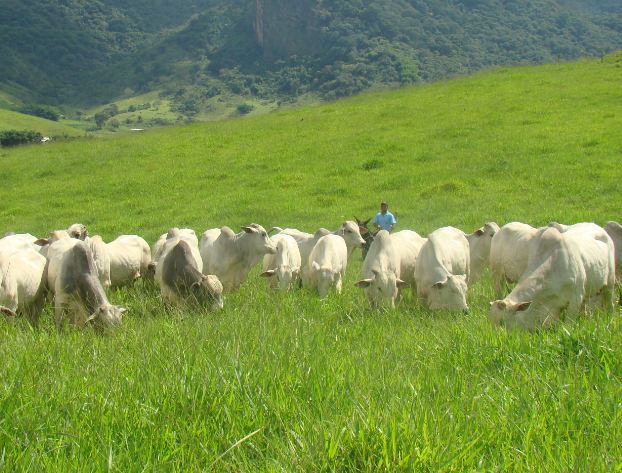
pixel 479 232
pixel 523 306
pixel 401 284
pixel 268 274
pixel 363 283
pixel 499 304
pixel 7 311
pixel 92 317
pixel 41 242
pixel 248 229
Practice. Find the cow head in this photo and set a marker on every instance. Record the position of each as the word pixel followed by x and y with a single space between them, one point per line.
pixel 449 294
pixel 382 289
pixel 504 312
pixel 208 292
pixel 326 278
pixel 350 232
pixel 106 316
pixel 78 231
pixel 260 242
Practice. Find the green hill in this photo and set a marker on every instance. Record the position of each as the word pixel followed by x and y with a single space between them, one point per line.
pixel 286 382
pixel 18 121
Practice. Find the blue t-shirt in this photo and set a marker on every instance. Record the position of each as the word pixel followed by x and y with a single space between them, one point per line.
pixel 385 221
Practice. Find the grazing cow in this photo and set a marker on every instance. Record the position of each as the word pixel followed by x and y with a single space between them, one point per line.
pixel 22 283
pixel 381 271
pixel 78 231
pixel 101 256
pixel 509 253
pixel 22 241
pixel 181 281
pixel 130 257
pixel 349 231
pixel 55 253
pixel 283 268
pixel 409 244
pixel 366 234
pixel 230 256
pixel 327 265
pixel 442 270
pixel 479 247
pixel 614 230
pixel 186 233
pixel 78 294
pixel 567 272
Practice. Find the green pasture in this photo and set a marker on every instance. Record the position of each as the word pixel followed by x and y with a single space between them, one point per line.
pixel 286 382
pixel 10 120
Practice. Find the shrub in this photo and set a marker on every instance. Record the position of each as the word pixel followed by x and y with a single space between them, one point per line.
pixel 245 108
pixel 17 137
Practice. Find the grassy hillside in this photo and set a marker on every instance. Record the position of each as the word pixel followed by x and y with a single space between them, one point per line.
pixel 10 120
pixel 290 383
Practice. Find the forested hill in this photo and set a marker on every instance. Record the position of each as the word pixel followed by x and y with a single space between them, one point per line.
pixel 81 52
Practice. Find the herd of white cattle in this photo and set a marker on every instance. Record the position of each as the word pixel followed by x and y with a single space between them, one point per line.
pixel 559 270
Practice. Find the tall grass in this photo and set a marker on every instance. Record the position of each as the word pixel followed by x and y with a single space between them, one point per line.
pixel 286 382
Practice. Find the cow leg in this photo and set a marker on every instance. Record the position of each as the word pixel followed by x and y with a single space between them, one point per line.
pixel 607 295
pixel 338 283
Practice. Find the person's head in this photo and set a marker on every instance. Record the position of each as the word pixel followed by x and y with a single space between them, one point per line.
pixel 384 207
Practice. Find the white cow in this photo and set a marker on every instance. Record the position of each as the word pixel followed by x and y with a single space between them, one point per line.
pixel 181 282
pixel 78 294
pixel 479 247
pixel 349 231
pixel 130 257
pixel 327 265
pixel 442 270
pixel 18 241
pixel 101 256
pixel 409 244
pixel 283 267
pixel 381 271
pixel 568 271
pixel 509 253
pixel 22 283
pixel 230 256
pixel 186 233
pixel 614 230
pixel 174 236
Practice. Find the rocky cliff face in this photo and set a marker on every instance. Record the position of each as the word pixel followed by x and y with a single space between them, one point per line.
pixel 284 28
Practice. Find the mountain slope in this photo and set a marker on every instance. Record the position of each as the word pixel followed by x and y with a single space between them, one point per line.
pixel 93 52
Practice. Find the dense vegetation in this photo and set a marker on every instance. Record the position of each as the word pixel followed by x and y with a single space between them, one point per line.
pixel 87 52
pixel 287 382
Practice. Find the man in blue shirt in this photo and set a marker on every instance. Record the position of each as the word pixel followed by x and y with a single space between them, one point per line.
pixel 384 219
